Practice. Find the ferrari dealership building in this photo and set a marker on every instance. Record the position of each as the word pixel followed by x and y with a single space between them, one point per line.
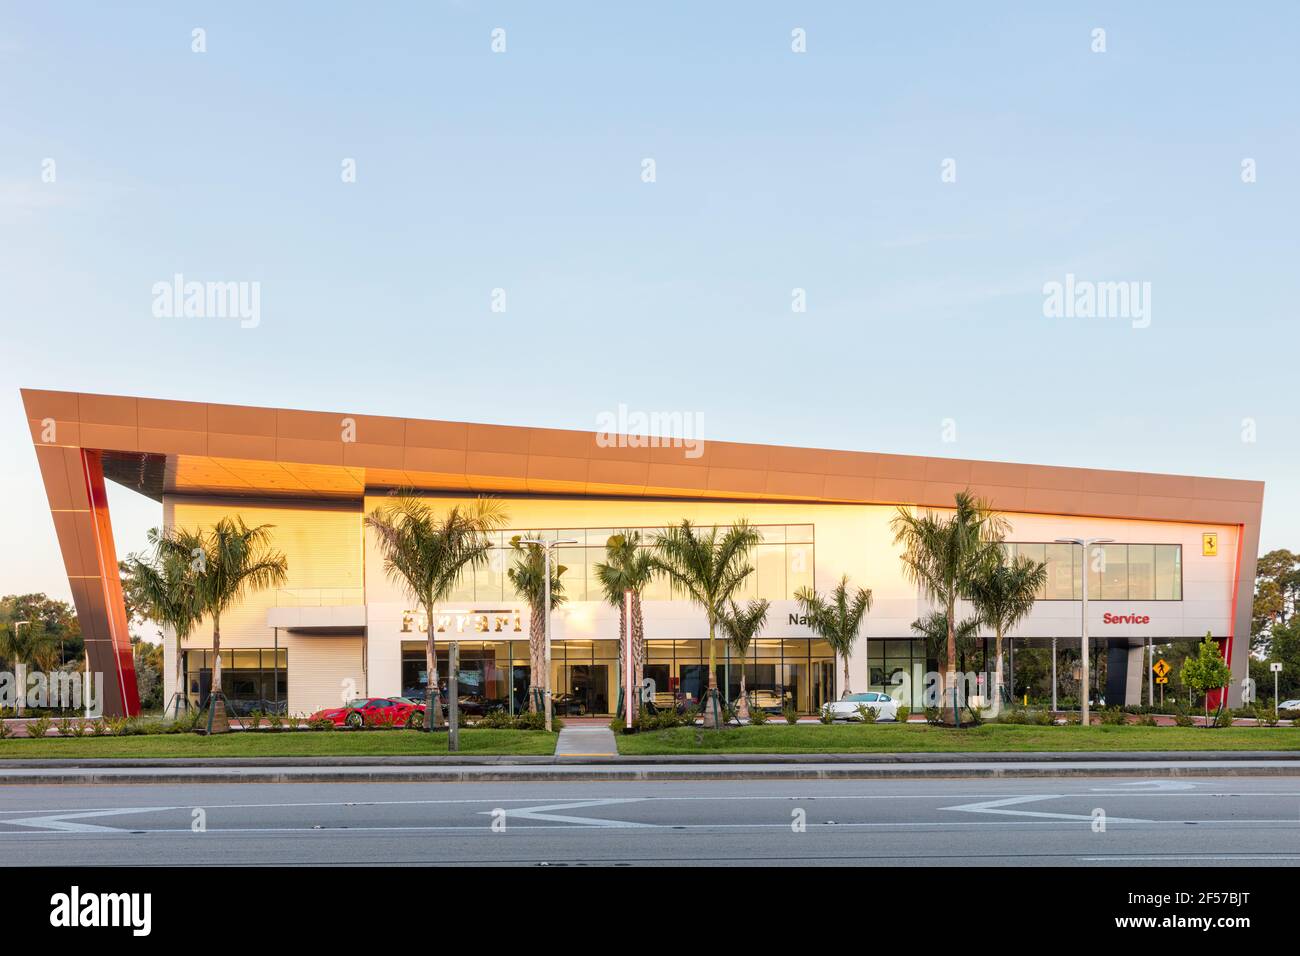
pixel 1181 562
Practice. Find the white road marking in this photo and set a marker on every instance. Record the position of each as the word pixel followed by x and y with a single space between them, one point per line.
pixel 62 821
pixel 996 806
pixel 1151 786
pixel 542 813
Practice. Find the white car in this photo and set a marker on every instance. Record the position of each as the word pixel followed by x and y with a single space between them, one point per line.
pixel 1289 705
pixel 846 708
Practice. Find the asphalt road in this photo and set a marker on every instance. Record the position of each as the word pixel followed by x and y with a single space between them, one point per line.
pixel 1074 821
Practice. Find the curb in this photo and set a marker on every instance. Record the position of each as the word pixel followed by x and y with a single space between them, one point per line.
pixel 649 760
pixel 613 773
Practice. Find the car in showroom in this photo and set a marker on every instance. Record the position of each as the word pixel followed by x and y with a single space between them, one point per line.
pixel 372 711
pixel 846 708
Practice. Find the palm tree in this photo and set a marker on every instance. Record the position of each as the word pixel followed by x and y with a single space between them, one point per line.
pixel 837 619
pixel 427 555
pixel 163 586
pixel 710 568
pixel 627 567
pixel 226 562
pixel 934 628
pixel 528 575
pixel 945 555
pixel 741 626
pixel 24 644
pixel 1004 594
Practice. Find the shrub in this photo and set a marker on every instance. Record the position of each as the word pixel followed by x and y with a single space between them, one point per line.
pixel 1113 716
pixel 1044 718
pixel 791 715
pixel 1073 718
pixel 1265 716
pixel 902 713
pixel 320 723
pixel 1014 716
pixel 80 728
pixel 826 715
pixel 39 727
pixel 253 720
pixel 758 717
pixel 1221 718
pixel 292 721
pixel 1147 720
pixel 4 729
pixel 1183 719
pixel 867 714
pixel 65 726
pixel 933 716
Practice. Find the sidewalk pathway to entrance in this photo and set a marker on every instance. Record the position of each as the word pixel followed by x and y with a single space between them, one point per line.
pixel 583 739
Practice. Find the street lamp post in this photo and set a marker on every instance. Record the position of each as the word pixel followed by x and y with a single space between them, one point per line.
pixel 1086 544
pixel 547 547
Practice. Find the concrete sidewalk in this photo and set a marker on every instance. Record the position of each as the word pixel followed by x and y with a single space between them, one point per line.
pixel 586 741
pixel 562 768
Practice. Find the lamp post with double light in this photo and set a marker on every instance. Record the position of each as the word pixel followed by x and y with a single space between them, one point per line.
pixel 547 547
pixel 1086 544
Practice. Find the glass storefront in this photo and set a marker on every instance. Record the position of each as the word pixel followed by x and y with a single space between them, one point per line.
pixel 251 679
pixel 1117 572
pixel 795 672
pixel 898 668
pixel 584 674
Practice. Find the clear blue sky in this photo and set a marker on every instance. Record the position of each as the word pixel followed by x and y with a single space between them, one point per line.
pixel 775 170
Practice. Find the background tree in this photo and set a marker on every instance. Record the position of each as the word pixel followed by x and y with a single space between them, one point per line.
pixel 710 568
pixel 528 575
pixel 1003 595
pixel 58 620
pixel 741 626
pixel 23 644
pixel 1277 589
pixel 837 619
pixel 1206 671
pixel 427 555
pixel 627 567
pixel 944 555
pixel 227 562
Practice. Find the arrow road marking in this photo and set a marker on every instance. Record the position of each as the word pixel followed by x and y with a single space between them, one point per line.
pixel 543 813
pixel 1147 786
pixel 996 806
pixel 63 821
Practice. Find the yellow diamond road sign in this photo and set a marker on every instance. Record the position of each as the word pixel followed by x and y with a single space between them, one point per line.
pixel 1161 667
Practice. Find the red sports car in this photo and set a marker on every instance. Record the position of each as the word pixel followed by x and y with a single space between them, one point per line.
pixel 374 711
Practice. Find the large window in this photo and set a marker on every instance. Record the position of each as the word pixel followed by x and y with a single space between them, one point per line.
pixel 251 679
pixel 1116 572
pixel 783 563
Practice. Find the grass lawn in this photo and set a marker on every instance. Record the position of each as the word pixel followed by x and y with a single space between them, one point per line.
pixel 284 744
pixel 921 738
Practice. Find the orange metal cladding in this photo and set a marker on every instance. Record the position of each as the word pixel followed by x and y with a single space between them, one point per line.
pixel 159 447
pixel 113 657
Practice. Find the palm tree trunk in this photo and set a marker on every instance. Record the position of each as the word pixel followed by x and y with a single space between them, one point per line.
pixel 950 668
pixel 638 647
pixel 712 709
pixel 432 693
pixel 536 657
pixel 742 708
pixel 20 674
pixel 217 720
pixel 846 676
pixel 180 677
pixel 997 668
